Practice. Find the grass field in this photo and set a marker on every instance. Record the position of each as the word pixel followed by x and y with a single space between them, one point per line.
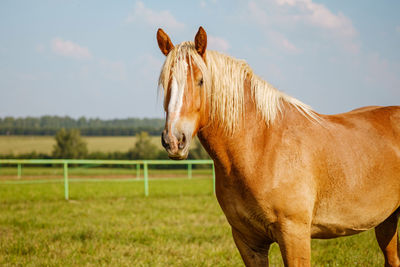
pixel 112 224
pixel 44 144
pixel 57 172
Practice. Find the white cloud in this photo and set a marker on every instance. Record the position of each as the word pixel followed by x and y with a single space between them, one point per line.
pixel 292 14
pixel 282 42
pixel 320 16
pixel 155 18
pixel 289 46
pixel 218 43
pixel 69 49
pixel 259 15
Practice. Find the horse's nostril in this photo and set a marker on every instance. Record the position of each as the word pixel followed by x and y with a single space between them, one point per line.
pixel 182 142
pixel 164 144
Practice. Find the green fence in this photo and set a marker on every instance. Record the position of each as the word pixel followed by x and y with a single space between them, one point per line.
pixel 139 164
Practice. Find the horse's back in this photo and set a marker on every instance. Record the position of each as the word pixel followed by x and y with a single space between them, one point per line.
pixel 395 119
pixel 364 109
pixel 385 119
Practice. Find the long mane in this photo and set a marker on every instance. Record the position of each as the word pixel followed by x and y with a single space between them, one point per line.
pixel 224 82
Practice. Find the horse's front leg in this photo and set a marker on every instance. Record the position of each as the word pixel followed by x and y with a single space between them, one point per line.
pixel 295 243
pixel 253 256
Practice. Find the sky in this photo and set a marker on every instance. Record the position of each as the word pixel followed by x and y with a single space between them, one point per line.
pixel 100 59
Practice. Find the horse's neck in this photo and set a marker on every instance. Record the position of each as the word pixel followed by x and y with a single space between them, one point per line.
pixel 250 140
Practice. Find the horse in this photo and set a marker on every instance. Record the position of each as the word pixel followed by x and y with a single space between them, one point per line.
pixel 284 173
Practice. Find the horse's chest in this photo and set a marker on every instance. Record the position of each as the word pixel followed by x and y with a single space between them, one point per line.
pixel 243 212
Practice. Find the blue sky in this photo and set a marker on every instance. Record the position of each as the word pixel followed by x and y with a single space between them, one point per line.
pixel 101 59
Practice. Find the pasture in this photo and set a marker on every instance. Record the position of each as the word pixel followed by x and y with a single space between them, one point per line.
pixel 44 144
pixel 111 223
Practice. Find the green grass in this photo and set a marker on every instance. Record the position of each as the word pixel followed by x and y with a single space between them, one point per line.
pixel 44 144
pixel 113 224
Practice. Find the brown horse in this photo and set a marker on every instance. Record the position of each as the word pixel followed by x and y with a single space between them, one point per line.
pixel 284 173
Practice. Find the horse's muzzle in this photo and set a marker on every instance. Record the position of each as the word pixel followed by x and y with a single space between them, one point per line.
pixel 177 147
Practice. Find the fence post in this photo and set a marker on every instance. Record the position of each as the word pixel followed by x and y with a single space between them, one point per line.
pixel 190 170
pixel 146 179
pixel 137 170
pixel 19 170
pixel 213 168
pixel 66 189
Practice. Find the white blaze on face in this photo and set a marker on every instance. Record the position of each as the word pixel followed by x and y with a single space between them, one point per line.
pixel 177 90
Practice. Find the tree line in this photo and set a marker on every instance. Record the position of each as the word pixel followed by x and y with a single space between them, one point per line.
pixel 70 145
pixel 50 125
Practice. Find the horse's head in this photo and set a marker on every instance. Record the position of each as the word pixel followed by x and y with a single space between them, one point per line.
pixel 183 78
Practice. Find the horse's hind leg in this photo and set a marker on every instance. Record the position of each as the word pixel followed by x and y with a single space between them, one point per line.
pixel 251 257
pixel 387 237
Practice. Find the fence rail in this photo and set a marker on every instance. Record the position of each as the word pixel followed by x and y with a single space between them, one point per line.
pixel 138 163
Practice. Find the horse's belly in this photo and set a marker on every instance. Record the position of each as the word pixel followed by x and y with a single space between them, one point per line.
pixel 347 218
pixel 332 230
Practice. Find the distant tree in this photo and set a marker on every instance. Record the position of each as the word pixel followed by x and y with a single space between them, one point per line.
pixel 144 148
pixel 69 145
pixel 162 154
pixel 82 122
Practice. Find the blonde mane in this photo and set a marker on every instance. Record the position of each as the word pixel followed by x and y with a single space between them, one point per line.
pixel 224 79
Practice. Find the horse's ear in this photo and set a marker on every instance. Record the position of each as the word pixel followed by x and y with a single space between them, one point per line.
pixel 200 41
pixel 164 42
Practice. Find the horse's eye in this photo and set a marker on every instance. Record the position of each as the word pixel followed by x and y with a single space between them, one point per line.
pixel 201 82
